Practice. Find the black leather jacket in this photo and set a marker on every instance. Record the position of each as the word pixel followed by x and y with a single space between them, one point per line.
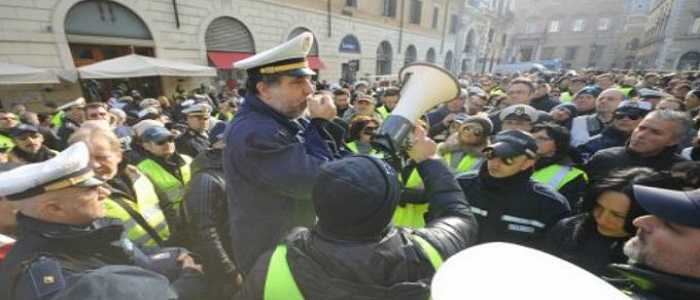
pixel 206 211
pixel 643 283
pixel 391 268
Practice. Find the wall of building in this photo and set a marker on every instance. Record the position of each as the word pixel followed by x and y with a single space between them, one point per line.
pixel 32 32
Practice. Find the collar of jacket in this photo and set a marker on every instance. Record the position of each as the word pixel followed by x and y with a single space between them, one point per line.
pixel 254 103
pixel 667 153
pixel 43 154
pixel 504 184
pixel 668 286
pixel 615 133
pixel 100 230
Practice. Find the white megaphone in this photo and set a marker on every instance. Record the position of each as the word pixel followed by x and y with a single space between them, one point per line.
pixel 509 271
pixel 423 86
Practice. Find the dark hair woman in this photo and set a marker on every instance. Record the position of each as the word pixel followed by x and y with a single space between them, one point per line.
pixel 595 237
pixel 362 129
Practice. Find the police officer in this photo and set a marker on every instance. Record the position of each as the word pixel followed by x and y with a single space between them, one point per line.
pixel 64 253
pixel 133 199
pixel 74 116
pixel 665 253
pixel 509 206
pixel 195 139
pixel 518 117
pixel 29 145
pixel 272 153
pixel 169 171
pixel 208 219
pixel 556 163
pixel 353 251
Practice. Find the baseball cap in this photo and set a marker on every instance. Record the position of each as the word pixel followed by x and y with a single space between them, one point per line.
pixel 682 207
pixel 511 143
pixel 156 134
pixel 633 107
pixel 592 90
pixel 23 129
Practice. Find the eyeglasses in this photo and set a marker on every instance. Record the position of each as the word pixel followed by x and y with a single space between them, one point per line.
pixel 508 161
pixel 369 130
pixel 619 116
pixel 473 129
pixel 165 141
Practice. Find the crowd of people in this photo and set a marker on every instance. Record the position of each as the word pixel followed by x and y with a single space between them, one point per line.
pixel 274 190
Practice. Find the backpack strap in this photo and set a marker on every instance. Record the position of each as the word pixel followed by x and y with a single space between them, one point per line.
pixel 140 220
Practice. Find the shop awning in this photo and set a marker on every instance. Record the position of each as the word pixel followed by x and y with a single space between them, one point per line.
pixel 316 63
pixel 225 60
pixel 132 66
pixel 11 74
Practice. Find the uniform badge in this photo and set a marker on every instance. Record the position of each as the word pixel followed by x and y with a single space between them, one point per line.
pixel 306 44
pixel 520 110
pixel 46 276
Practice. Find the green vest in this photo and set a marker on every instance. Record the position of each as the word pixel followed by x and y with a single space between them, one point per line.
pixel 467 164
pixel 147 205
pixel 565 97
pixel 411 214
pixel 352 146
pixel 626 91
pixel 6 142
pixel 57 119
pixel 227 117
pixel 557 176
pixel 383 112
pixel 169 185
pixel 280 284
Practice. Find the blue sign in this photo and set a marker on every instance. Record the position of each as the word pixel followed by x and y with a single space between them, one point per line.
pixel 349 44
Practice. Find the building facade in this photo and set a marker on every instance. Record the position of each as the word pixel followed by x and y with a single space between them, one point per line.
pixel 355 38
pixel 671 39
pixel 635 21
pixel 582 34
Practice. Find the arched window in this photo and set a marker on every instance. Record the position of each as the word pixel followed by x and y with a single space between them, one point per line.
pixel 411 55
pixel 448 60
pixel 88 23
pixel 689 61
pixel 229 35
pixel 469 43
pixel 349 44
pixel 384 58
pixel 430 56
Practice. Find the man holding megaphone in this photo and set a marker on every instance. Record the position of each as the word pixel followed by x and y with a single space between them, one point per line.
pixel 273 154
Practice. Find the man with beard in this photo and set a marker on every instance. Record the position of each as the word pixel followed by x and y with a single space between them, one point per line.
pixel 665 253
pixel 273 154
pixel 29 145
pixel 653 144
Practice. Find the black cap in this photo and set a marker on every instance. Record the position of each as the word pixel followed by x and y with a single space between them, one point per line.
pixel 355 197
pixel 23 129
pixel 511 143
pixel 592 90
pixel 570 107
pixel 682 207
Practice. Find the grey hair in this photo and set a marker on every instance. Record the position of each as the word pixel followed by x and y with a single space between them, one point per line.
pixel 92 129
pixel 680 118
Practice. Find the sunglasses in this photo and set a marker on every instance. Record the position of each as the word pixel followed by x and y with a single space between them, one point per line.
pixel 8 118
pixel 629 116
pixel 165 141
pixel 370 130
pixel 473 129
pixel 508 161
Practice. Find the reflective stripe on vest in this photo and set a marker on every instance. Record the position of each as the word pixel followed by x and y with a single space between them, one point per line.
pixel 171 186
pixel 147 205
pixel 280 283
pixel 557 176
pixel 411 214
pixel 467 164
